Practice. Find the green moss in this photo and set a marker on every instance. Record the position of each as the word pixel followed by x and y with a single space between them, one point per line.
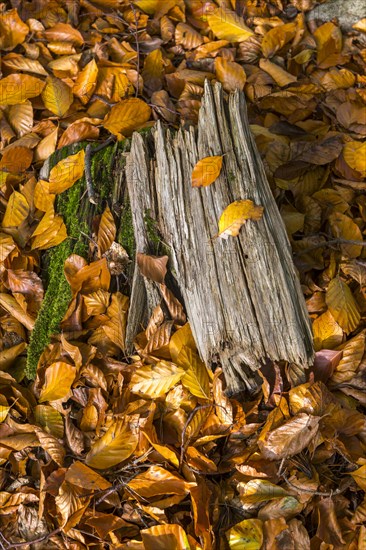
pixel 126 235
pixel 77 212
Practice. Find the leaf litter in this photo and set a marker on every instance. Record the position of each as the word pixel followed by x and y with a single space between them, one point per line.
pixel 108 451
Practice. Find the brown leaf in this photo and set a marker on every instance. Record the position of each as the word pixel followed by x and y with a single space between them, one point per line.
pixel 290 438
pixel 152 267
pixel 106 232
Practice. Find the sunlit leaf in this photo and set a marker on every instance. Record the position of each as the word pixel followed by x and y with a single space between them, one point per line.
pixel 247 535
pixel 66 172
pixel 196 378
pixel 115 446
pixel 352 355
pixel 235 215
pixel 17 210
pixel 86 82
pixel 227 24
pixel 126 116
pixel 17 88
pixel 354 153
pixel 58 379
pixel 182 337
pixel 165 537
pixel 12 30
pixel 57 96
pixel 154 381
pixel 327 332
pixel 259 490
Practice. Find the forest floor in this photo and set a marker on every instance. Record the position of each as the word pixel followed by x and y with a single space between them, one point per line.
pixel 103 450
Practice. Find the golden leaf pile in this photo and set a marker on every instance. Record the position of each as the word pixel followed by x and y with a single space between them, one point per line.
pixel 146 452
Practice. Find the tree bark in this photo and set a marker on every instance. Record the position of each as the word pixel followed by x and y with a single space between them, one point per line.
pixel 242 295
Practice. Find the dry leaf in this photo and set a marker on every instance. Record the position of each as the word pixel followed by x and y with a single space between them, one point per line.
pixel 206 171
pixel 235 215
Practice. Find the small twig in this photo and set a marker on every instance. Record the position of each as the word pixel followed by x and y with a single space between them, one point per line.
pixel 34 541
pixel 311 491
pixel 330 243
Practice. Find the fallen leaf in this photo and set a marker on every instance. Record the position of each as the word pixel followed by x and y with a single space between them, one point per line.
pixel 206 171
pixel 235 215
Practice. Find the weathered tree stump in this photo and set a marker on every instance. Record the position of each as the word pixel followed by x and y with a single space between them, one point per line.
pixel 242 295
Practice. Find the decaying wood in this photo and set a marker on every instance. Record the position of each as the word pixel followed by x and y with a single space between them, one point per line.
pixel 242 295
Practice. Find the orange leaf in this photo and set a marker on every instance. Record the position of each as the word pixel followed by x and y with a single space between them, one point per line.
pixel 106 232
pixel 127 116
pixel 206 171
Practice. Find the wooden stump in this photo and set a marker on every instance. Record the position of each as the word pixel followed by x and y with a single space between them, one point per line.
pixel 242 296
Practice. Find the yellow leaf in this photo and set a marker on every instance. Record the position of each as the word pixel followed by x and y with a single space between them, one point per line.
pixel 86 82
pixel 58 379
pixel 196 378
pixel 50 420
pixel 17 88
pixel 57 96
pixel 116 445
pixel 17 210
pixel 127 116
pixel 248 535
pixel 165 537
pixel 164 450
pixel 50 230
pixel 206 171
pixel 155 381
pixel 43 199
pixel 259 490
pixel 360 25
pixel 182 337
pixel 66 172
pixel 226 24
pixel 342 305
pixel 231 75
pixel 4 413
pixel 327 333
pixel 46 146
pixel 106 232
pixel 354 153
pixel 235 215
pixel 360 477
